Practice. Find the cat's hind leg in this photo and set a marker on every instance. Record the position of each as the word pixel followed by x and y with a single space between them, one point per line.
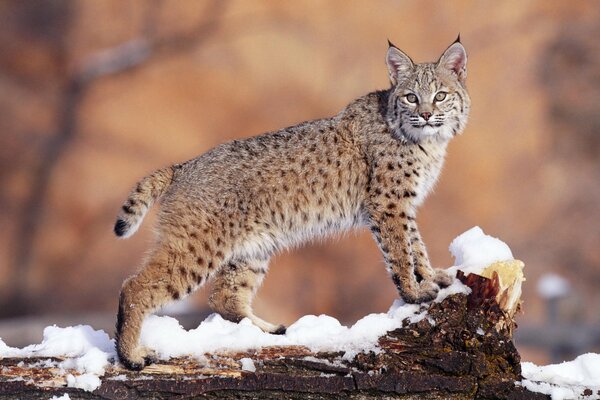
pixel 234 288
pixel 170 273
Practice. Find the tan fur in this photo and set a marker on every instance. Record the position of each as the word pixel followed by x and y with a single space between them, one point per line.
pixel 224 213
pixel 233 290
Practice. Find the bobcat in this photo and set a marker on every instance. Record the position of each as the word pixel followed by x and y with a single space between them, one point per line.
pixel 224 213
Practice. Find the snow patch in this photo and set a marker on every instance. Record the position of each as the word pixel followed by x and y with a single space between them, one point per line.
pixel 474 250
pixel 567 380
pixel 63 397
pixel 71 341
pixel 120 377
pixel 168 339
pixel 88 351
pixel 248 364
pixel 5 350
pixel 88 382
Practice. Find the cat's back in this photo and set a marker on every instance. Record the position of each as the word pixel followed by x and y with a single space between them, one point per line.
pixel 257 161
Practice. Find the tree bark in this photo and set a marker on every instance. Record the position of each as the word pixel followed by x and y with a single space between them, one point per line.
pixel 462 350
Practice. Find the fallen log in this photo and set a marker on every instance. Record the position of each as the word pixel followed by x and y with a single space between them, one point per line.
pixel 462 349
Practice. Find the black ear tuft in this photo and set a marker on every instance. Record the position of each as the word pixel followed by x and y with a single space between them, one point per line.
pixel 390 44
pixel 457 39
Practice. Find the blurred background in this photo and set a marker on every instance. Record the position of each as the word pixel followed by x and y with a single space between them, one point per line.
pixel 96 94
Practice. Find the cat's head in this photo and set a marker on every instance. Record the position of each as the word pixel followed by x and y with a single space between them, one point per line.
pixel 428 100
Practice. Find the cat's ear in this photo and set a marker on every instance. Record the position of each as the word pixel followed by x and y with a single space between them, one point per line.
pixel 454 60
pixel 398 63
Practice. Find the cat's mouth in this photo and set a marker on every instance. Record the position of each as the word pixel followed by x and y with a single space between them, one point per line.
pixel 428 124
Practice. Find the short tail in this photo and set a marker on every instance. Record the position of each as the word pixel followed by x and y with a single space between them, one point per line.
pixel 141 198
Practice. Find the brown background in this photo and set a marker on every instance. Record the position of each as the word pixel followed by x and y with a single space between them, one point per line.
pixel 96 94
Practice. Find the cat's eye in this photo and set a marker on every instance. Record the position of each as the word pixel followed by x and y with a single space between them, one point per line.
pixel 412 98
pixel 440 96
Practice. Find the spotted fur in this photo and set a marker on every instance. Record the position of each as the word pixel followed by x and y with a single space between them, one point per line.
pixel 226 212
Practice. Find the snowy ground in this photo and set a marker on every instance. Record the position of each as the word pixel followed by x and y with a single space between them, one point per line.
pixel 575 379
pixel 88 352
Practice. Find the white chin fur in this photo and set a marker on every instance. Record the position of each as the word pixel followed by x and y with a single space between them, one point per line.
pixel 417 134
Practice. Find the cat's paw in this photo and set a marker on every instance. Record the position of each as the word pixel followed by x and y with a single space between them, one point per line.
pixel 136 359
pixel 151 357
pixel 425 292
pixel 134 363
pixel 442 278
pixel 281 329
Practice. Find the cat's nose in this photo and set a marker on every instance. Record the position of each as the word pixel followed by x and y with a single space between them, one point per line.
pixel 426 115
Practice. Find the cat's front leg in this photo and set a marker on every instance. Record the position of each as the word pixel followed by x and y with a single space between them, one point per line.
pixel 423 268
pixel 391 229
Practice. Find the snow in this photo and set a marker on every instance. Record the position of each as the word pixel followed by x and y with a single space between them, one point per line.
pixel 63 397
pixel 474 250
pixel 567 380
pixel 552 286
pixel 120 377
pixel 89 352
pixel 319 333
pixel 247 364
pixel 89 382
pixel 72 341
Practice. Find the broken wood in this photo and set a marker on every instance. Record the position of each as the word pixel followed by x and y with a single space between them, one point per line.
pixel 462 350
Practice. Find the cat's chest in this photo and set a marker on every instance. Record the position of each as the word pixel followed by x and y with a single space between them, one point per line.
pixel 418 168
pixel 430 168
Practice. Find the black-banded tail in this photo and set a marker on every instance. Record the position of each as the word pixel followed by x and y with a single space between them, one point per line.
pixel 141 198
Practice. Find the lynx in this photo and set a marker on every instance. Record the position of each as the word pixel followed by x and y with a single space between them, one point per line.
pixel 226 212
